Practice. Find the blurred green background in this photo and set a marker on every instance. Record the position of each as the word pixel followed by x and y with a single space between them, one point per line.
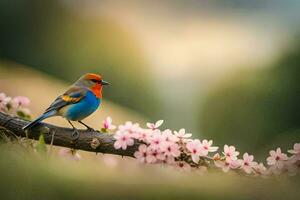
pixel 224 70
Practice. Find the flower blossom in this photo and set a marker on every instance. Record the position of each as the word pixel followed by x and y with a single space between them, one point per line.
pixel 155 125
pixel 131 128
pixel 183 166
pixel 107 124
pixel 260 169
pixel 247 163
pixel 168 159
pixel 296 149
pixel 178 150
pixel 291 167
pixel 296 153
pixel 143 135
pixel 196 150
pixel 141 154
pixel 182 135
pixel 226 165
pixel 277 158
pixel 156 141
pixel 206 146
pixel 20 101
pixel 4 100
pixel 230 153
pixel 171 149
pixel 169 137
pixel 154 155
pixel 123 140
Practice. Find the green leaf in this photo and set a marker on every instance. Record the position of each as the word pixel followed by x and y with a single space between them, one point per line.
pixel 103 130
pixel 23 115
pixel 41 146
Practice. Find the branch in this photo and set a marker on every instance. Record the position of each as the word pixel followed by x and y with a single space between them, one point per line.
pixel 62 136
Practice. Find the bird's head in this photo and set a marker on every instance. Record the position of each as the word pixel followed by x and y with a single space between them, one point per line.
pixel 93 82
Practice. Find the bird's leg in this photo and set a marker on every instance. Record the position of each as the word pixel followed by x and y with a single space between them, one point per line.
pixel 75 135
pixel 88 127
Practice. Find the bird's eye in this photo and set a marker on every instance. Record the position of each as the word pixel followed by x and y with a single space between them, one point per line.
pixel 95 80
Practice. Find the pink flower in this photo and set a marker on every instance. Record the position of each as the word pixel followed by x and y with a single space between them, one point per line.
pixel 292 167
pixel 296 149
pixel 170 160
pixel 260 169
pixel 247 163
pixel 69 154
pixel 123 140
pixel 130 128
pixel 230 153
pixel 171 149
pixel 4 100
pixel 169 137
pixel 296 153
pixel 155 125
pixel 141 154
pixel 277 158
pixel 144 134
pixel 182 135
pixel 206 146
pixel 21 101
pixel 183 166
pixel 107 124
pixel 154 155
pixel 196 150
pixel 227 164
pixel 156 141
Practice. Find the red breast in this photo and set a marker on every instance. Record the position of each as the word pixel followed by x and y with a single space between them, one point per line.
pixel 97 90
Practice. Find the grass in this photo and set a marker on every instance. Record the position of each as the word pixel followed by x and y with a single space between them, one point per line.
pixel 25 174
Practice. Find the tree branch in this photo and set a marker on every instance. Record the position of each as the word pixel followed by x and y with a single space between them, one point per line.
pixel 93 141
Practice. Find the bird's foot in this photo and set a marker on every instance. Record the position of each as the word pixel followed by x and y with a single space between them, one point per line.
pixel 75 135
pixel 90 129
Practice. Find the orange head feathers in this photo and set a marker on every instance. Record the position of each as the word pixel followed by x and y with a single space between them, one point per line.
pixel 92 81
pixel 91 76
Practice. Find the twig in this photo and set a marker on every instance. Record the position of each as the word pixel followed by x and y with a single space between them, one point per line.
pixel 63 136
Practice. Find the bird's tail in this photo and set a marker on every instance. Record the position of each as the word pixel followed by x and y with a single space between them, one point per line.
pixel 39 119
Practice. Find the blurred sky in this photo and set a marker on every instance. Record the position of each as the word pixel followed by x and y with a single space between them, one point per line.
pixel 182 37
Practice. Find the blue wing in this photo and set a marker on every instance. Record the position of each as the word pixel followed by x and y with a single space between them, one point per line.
pixel 71 96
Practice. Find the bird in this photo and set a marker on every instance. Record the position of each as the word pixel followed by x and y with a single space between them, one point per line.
pixel 78 102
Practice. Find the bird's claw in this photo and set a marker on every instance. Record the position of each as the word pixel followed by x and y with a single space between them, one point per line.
pixel 90 129
pixel 75 135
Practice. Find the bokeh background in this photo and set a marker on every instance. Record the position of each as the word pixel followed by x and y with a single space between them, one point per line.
pixel 224 70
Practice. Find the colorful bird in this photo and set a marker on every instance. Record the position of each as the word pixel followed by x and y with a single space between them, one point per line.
pixel 78 102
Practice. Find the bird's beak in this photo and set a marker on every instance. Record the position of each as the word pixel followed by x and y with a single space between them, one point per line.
pixel 105 83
